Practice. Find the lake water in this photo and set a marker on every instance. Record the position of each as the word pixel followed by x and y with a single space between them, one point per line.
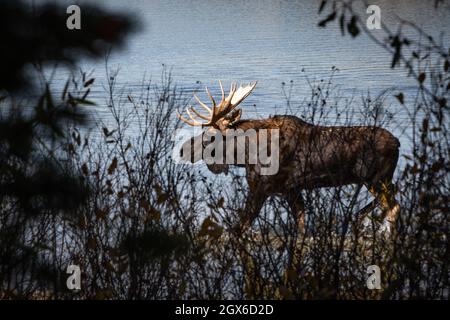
pixel 266 40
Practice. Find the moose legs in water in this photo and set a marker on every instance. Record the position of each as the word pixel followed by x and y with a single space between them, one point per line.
pixel 384 193
pixel 375 169
pixel 256 197
pixel 382 188
pixel 253 205
pixel 253 281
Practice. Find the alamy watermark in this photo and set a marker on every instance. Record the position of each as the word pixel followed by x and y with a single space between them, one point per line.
pixel 374 280
pixel 74 20
pixel 234 147
pixel 74 280
pixel 374 20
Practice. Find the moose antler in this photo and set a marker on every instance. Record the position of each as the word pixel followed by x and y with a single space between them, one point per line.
pixel 217 112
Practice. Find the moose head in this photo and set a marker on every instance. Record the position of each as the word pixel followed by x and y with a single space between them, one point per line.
pixel 220 135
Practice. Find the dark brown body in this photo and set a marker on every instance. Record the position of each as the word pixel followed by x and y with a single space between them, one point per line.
pixel 319 156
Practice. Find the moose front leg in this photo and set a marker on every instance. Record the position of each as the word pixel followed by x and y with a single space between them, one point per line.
pixel 296 204
pixel 253 206
pixel 254 202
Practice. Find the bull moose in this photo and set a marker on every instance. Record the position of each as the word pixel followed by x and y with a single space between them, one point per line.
pixel 310 156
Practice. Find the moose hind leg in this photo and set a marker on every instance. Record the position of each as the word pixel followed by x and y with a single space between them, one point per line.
pixel 385 192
